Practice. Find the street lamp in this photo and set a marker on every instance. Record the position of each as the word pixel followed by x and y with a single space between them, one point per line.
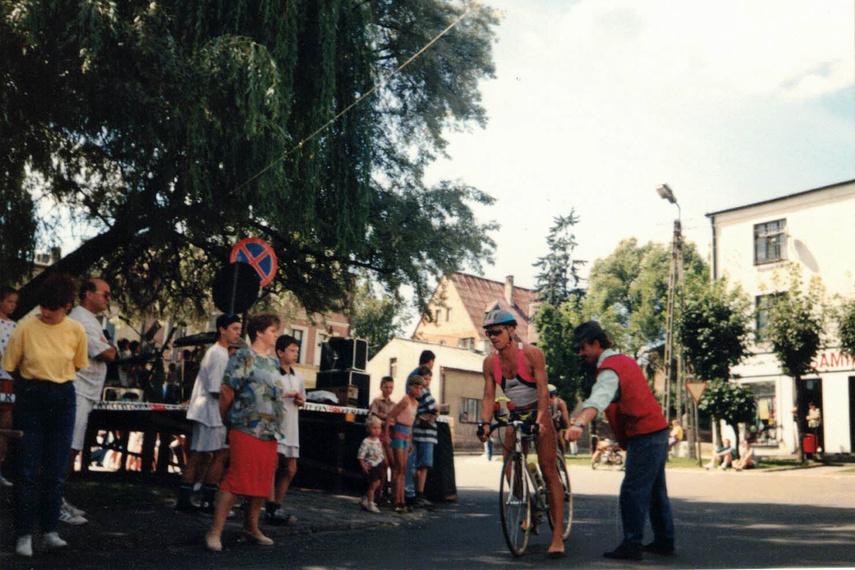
pixel 675 287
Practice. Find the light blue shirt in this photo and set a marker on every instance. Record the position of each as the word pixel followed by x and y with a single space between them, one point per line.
pixel 607 387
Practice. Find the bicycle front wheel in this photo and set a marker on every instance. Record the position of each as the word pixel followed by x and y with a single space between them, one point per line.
pixel 564 477
pixel 515 504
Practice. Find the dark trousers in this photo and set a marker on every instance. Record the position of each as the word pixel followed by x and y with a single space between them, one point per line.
pixel 643 491
pixel 45 412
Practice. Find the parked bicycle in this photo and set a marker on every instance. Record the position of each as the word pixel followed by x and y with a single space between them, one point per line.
pixel 522 491
pixel 610 454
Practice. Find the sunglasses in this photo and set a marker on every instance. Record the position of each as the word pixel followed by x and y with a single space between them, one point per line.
pixel 493 332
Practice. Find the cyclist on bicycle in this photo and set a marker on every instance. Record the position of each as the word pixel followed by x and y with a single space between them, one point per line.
pixel 520 369
pixel 560 415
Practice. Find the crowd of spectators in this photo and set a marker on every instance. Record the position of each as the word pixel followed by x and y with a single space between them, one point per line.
pixel 243 407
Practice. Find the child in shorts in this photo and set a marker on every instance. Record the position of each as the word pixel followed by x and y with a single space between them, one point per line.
pixel 400 435
pixel 372 460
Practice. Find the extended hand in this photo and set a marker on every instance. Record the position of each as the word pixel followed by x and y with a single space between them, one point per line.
pixel 573 433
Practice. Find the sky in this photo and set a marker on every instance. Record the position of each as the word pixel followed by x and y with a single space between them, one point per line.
pixel 596 103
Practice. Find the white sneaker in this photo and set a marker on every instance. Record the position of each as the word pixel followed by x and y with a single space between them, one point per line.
pixel 68 517
pixel 72 509
pixel 52 541
pixel 4 482
pixel 363 502
pixel 372 508
pixel 24 547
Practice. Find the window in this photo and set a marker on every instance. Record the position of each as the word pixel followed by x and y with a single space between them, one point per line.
pixel 470 410
pixel 468 343
pixel 393 367
pixel 436 320
pixel 298 334
pixel 320 339
pixel 769 241
pixel 763 305
pixel 765 426
pixel 448 314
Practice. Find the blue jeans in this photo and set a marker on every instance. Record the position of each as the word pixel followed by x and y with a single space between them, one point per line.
pixel 409 484
pixel 45 412
pixel 643 490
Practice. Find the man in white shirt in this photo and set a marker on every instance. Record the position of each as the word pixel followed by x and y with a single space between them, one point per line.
pixel 208 449
pixel 89 382
pixel 293 396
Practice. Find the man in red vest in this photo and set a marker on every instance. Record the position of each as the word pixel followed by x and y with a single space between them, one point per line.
pixel 622 393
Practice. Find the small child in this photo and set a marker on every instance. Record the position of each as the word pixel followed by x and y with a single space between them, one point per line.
pixel 371 458
pixel 400 435
pixel 380 408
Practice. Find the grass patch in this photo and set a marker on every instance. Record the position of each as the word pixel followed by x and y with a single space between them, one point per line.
pixel 688 463
pixel 850 470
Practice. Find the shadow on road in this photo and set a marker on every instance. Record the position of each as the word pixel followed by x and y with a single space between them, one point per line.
pixel 467 534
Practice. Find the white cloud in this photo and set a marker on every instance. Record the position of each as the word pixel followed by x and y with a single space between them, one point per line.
pixel 599 101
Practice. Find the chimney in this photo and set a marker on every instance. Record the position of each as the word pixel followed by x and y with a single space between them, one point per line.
pixel 509 290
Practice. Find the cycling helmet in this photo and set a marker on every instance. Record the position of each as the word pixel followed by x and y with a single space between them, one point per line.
pixel 499 317
pixel 553 389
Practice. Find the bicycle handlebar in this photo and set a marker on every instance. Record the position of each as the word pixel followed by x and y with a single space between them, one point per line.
pixel 528 427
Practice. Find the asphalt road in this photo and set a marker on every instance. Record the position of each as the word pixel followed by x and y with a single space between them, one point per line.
pixel 724 520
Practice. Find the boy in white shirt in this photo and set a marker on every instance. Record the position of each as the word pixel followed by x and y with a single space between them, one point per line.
pixel 293 396
pixel 208 449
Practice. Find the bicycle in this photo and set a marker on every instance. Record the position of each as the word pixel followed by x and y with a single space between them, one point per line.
pixel 611 456
pixel 522 490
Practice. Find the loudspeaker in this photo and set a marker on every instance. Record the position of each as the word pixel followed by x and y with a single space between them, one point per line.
pixel 342 378
pixel 340 353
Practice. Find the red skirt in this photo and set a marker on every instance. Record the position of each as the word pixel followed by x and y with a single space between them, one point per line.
pixel 252 465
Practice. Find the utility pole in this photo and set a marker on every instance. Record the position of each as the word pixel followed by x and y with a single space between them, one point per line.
pixel 673 351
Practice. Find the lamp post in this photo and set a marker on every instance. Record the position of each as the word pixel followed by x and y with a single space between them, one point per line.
pixel 675 288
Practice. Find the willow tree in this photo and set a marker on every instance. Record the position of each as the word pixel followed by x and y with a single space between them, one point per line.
pixel 168 130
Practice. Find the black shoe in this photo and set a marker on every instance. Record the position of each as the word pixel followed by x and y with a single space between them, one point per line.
pixel 422 503
pixel 623 552
pixel 659 548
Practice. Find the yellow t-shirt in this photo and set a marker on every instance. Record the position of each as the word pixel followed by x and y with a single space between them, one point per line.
pixel 47 352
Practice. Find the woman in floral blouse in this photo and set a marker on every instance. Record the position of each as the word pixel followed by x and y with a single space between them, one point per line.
pixel 251 407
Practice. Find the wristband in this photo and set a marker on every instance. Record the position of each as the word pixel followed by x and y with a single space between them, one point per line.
pixel 579 425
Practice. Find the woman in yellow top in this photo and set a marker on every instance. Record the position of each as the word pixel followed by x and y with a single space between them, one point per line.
pixel 44 354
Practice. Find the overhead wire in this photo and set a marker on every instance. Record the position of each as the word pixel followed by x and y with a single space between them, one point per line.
pixel 358 100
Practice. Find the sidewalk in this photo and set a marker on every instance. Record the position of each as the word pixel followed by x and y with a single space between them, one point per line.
pixel 130 516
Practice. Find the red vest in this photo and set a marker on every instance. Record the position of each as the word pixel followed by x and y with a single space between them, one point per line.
pixel 636 412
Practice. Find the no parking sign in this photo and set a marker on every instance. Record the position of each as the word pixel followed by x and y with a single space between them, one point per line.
pixel 259 254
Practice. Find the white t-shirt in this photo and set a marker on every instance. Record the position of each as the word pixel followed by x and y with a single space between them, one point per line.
pixel 205 408
pixel 6 328
pixel 290 424
pixel 89 382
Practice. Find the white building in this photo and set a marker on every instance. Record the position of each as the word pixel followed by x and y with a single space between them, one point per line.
pixel 457 381
pixel 753 245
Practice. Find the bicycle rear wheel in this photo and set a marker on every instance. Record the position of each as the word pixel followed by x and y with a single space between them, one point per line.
pixel 515 504
pixel 564 477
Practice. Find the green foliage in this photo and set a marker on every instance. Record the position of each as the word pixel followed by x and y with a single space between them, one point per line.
pixel 713 328
pixel 846 327
pixel 559 272
pixel 628 291
pixel 733 403
pixel 555 337
pixel 796 324
pixel 169 130
pixel 374 319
